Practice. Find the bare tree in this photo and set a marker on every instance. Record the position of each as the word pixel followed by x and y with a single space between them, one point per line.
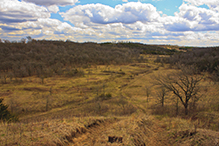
pixel 4 78
pixel 184 84
pixel 215 75
pixel 23 40
pixel 29 38
pixel 148 92
pixel 161 95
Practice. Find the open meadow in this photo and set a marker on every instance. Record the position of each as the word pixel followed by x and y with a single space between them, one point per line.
pixel 109 104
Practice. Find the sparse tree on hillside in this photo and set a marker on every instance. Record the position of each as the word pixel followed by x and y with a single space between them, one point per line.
pixel 23 40
pixel 215 75
pixel 184 84
pixel 161 94
pixel 148 92
pixel 29 39
pixel 5 76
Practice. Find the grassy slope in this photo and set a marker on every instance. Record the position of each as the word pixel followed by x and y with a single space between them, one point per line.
pixel 69 98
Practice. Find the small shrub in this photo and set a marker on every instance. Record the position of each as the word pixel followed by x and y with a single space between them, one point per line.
pixel 104 97
pixel 74 72
pixel 108 95
pixel 5 115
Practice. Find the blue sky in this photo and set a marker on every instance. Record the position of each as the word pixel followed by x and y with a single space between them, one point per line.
pixel 178 22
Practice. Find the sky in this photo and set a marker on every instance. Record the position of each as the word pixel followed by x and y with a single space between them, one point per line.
pixel 172 22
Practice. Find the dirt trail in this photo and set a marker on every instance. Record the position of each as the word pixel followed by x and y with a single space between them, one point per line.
pixel 95 135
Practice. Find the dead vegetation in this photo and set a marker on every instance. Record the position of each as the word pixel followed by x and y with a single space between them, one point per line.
pixel 108 105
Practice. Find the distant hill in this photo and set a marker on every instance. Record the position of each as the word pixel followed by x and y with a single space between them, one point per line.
pixel 46 57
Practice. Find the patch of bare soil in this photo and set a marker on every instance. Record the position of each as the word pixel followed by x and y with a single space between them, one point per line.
pixel 126 131
pixel 37 89
pixel 94 135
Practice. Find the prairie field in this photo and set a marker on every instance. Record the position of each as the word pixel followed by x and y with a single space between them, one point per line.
pixel 110 104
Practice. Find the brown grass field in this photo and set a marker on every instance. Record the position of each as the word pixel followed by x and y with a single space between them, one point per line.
pixel 73 111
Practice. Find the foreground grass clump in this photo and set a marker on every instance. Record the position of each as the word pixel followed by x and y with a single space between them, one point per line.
pixel 135 130
pixel 180 131
pixel 48 132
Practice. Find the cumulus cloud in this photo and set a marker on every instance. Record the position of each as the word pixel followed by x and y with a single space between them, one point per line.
pixel 203 2
pixel 20 19
pixel 43 28
pixel 91 14
pixel 212 4
pixel 132 20
pixel 194 13
pixel 53 2
pixel 53 8
pixel 138 17
pixel 192 18
pixel 12 11
pixel 55 25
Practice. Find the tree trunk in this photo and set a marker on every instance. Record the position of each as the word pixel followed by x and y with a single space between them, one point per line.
pixel 186 109
pixel 177 106
pixel 47 103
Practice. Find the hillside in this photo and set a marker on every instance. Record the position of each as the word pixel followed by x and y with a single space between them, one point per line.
pixel 67 93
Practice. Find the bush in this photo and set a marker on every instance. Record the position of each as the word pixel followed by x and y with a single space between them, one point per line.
pixel 104 97
pixel 74 72
pixel 5 115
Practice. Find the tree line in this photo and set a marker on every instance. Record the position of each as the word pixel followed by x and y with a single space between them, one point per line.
pixel 202 59
pixel 49 57
pixel 46 58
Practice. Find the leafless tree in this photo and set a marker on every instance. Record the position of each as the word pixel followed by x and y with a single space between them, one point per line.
pixel 184 84
pixel 161 95
pixel 148 92
pixel 215 75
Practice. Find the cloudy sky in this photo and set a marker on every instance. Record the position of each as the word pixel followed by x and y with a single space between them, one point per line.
pixel 178 22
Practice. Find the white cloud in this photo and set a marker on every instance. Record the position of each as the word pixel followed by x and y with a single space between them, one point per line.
pixel 131 20
pixel 20 19
pixel 194 13
pixel 13 11
pixel 43 28
pixel 53 2
pixel 56 26
pixel 202 2
pixel 192 18
pixel 212 4
pixel 200 39
pixel 92 14
pixel 53 8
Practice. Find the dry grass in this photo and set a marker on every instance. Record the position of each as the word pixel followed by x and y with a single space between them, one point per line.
pixel 48 132
pixel 51 113
pixel 30 97
pixel 135 130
